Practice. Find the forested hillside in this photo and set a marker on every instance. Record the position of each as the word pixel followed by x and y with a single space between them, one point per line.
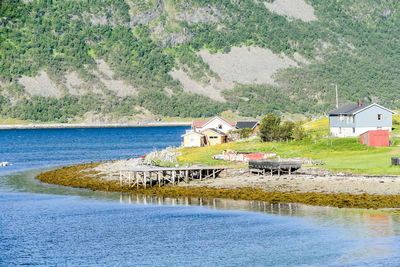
pixel 61 60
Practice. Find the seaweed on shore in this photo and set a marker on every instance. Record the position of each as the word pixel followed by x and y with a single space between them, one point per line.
pixel 83 176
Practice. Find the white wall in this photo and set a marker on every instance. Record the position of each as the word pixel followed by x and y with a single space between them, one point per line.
pixel 214 123
pixel 348 131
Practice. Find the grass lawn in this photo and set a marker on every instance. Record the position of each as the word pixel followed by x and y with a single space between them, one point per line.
pixel 339 154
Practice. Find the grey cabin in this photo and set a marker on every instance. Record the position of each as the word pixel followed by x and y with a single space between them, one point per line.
pixel 356 119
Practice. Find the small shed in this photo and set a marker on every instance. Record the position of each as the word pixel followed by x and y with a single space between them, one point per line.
pixel 193 139
pixel 214 136
pixel 375 138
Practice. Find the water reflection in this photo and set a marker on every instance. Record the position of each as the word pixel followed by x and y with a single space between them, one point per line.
pixel 376 233
pixel 212 203
pixel 373 230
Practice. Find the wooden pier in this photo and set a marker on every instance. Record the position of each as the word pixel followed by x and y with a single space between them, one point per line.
pixel 164 175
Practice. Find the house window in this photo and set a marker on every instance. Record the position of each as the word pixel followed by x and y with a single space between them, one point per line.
pixel 380 117
pixel 354 130
pixel 213 137
pixel 341 117
pixel 219 126
pixel 350 119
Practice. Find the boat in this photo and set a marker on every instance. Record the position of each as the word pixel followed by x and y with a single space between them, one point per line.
pixel 274 166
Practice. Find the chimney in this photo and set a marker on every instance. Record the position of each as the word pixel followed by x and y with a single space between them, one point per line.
pixel 359 103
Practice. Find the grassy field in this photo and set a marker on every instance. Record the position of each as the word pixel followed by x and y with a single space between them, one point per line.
pixel 320 124
pixel 339 154
pixel 12 121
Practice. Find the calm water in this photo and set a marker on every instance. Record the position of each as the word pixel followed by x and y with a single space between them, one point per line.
pixel 43 224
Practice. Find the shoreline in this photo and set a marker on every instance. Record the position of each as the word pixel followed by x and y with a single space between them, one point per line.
pixel 89 177
pixel 90 125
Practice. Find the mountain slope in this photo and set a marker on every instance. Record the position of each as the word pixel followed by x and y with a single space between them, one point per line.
pixel 64 59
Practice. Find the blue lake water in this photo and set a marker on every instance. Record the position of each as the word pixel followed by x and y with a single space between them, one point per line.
pixel 47 225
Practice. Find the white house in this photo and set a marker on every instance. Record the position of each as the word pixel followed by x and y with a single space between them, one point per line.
pixel 217 123
pixel 356 119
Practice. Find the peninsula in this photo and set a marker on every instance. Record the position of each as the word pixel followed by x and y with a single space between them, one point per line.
pixel 353 174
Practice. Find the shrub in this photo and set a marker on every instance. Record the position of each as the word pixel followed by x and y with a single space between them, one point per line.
pixel 271 129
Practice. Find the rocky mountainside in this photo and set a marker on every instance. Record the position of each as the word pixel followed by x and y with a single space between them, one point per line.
pixel 67 60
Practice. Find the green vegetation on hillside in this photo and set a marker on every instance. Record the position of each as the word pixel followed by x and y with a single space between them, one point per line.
pixel 353 44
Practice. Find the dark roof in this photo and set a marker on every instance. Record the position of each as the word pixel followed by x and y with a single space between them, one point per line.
pixel 215 131
pixel 347 109
pixel 246 124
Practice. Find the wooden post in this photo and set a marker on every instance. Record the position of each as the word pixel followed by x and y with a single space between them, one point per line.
pixel 145 179
pixel 271 171
pixel 129 179
pixel 290 171
pixel 187 176
pixel 201 175
pixel 213 173
pixel 150 178
pixel 173 177
pixel 120 178
pixel 279 171
pixel 135 178
pixel 159 178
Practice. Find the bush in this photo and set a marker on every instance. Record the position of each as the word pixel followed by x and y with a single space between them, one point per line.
pixel 298 132
pixel 239 134
pixel 271 129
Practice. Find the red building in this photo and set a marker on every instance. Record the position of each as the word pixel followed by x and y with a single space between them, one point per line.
pixel 375 138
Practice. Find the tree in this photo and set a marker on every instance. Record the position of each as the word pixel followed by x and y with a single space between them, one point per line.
pixel 270 128
pixel 286 130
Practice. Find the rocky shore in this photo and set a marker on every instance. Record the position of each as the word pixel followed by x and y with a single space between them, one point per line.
pixel 310 186
pixel 308 180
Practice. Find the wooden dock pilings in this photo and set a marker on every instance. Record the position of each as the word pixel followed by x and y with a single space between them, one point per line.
pixel 161 176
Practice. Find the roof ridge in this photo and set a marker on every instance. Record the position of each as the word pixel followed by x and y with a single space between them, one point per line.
pixel 353 108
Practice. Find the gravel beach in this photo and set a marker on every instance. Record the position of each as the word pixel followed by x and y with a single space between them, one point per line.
pixel 307 179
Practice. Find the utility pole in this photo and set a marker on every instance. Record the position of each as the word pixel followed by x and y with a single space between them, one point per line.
pixel 337 100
